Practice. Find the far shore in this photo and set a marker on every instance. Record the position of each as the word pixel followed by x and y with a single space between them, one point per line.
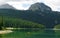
pixel 9 30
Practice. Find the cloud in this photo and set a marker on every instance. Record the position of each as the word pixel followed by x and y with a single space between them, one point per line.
pixel 2 2
pixel 23 4
pixel 54 4
pixel 10 0
pixel 19 4
pixel 30 1
pixel 23 0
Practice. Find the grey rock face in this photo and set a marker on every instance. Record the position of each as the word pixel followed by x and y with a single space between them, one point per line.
pixel 6 6
pixel 40 6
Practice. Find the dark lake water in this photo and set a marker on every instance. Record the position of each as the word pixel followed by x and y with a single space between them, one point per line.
pixel 32 34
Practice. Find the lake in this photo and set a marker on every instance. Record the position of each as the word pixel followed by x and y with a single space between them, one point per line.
pixel 28 33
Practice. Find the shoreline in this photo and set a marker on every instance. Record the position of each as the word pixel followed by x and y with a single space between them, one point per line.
pixel 5 31
pixel 9 30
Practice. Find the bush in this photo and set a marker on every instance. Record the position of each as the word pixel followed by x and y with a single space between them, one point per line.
pixel 57 26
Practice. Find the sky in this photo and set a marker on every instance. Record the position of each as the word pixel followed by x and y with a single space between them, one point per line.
pixel 25 4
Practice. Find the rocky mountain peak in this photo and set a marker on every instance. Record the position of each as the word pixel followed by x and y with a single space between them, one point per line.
pixel 6 6
pixel 39 6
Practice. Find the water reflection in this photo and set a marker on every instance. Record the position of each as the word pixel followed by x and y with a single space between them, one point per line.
pixel 33 33
pixel 43 34
pixel 57 33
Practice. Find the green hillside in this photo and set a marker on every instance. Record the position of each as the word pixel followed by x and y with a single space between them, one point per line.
pixel 19 23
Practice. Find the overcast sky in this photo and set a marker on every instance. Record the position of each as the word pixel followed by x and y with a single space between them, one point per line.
pixel 25 4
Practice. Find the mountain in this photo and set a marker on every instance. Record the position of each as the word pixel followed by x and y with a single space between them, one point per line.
pixel 6 6
pixel 49 19
pixel 39 6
